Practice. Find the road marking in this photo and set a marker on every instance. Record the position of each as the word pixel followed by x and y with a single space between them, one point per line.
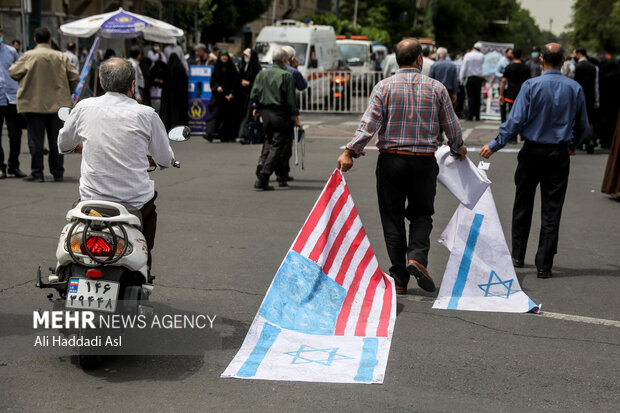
pixel 351 123
pixel 313 122
pixel 488 127
pixel 466 133
pixel 501 150
pixel 547 314
pixel 581 319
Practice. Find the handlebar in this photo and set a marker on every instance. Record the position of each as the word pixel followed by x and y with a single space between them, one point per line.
pixel 153 165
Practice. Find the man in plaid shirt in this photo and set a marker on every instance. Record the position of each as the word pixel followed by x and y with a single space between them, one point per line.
pixel 407 110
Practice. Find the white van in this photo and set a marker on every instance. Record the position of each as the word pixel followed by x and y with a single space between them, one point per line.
pixel 315 48
pixel 358 52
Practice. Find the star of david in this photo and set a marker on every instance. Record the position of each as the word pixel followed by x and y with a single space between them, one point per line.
pixel 324 356
pixel 507 284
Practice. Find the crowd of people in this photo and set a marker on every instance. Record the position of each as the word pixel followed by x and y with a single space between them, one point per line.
pixel 162 78
pixel 599 80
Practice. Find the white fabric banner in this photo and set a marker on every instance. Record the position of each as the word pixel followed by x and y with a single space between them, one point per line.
pixel 466 182
pixel 480 275
pixel 329 313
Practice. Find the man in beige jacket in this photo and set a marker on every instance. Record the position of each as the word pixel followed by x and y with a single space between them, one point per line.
pixel 46 81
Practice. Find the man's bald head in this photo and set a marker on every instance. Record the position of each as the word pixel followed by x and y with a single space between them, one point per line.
pixel 553 55
pixel 407 52
pixel 116 75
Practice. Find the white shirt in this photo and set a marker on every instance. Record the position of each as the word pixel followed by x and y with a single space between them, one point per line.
pixel 139 77
pixel 472 65
pixel 390 66
pixel 156 56
pixel 427 62
pixel 73 59
pixel 116 133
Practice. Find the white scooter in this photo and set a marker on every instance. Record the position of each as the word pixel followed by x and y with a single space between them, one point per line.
pixel 102 260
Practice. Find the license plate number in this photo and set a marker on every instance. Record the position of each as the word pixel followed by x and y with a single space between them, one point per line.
pixel 89 294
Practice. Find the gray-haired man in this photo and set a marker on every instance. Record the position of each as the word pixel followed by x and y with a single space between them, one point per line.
pixel 114 133
pixel 274 95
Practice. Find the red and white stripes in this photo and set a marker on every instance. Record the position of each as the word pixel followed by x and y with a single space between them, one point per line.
pixel 334 238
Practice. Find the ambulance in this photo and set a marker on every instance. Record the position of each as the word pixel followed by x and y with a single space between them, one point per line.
pixel 315 48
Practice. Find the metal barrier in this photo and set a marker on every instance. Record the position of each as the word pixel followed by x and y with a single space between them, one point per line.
pixel 338 91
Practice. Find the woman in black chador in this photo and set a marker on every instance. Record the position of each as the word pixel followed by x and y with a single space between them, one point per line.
pixel 224 86
pixel 174 94
pixel 248 70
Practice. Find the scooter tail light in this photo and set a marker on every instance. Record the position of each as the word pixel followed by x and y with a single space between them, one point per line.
pixel 97 246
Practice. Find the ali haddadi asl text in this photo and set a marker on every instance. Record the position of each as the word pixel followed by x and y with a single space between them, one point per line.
pixel 77 341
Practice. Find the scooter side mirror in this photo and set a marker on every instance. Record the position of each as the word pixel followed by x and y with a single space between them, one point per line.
pixel 179 134
pixel 63 113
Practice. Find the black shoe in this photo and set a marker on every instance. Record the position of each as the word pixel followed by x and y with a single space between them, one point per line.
pixel 259 168
pixel 517 263
pixel 17 172
pixel 208 137
pixel 282 184
pixel 31 178
pixel 401 290
pixel 421 275
pixel 262 183
pixel 2 173
pixel 544 274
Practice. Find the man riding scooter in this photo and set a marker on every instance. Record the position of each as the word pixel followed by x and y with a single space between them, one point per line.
pixel 115 134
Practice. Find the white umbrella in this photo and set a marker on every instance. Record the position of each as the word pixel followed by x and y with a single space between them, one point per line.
pixel 122 24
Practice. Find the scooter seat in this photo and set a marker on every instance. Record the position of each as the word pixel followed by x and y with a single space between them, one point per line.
pixel 108 211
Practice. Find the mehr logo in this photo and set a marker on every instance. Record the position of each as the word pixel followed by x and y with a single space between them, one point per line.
pixel 197 110
pixel 124 19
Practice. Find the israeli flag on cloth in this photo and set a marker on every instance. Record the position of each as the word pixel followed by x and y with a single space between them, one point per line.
pixel 480 275
pixel 329 313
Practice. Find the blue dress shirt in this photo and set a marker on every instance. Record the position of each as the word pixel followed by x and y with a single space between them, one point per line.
pixel 445 71
pixel 298 78
pixel 549 109
pixel 8 86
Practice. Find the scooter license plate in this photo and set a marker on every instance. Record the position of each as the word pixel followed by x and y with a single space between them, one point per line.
pixel 98 295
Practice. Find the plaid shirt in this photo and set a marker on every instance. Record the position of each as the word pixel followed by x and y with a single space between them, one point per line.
pixel 407 110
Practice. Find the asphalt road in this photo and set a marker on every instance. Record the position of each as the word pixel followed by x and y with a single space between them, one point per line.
pixel 221 242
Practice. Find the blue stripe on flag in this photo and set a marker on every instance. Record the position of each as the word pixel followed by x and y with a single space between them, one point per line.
pixel 267 338
pixel 368 361
pixel 461 278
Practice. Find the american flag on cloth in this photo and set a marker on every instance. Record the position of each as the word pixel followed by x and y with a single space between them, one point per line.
pixel 329 313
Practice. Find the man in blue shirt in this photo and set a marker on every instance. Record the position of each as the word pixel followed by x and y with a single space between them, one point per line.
pixel 8 111
pixel 550 114
pixel 445 71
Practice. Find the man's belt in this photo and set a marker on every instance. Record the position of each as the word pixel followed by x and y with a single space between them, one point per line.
pixel 397 152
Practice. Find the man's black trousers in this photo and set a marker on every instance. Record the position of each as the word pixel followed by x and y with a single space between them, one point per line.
pixel 547 165
pixel 278 130
pixel 38 124
pixel 406 187
pixel 14 129
pixel 473 87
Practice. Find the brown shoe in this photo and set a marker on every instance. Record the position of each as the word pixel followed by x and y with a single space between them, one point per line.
pixel 421 275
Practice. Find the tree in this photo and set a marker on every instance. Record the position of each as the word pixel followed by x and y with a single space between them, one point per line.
pixel 596 25
pixel 183 14
pixel 231 15
pixel 345 27
pixel 459 24
pixel 396 17
pixel 217 19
